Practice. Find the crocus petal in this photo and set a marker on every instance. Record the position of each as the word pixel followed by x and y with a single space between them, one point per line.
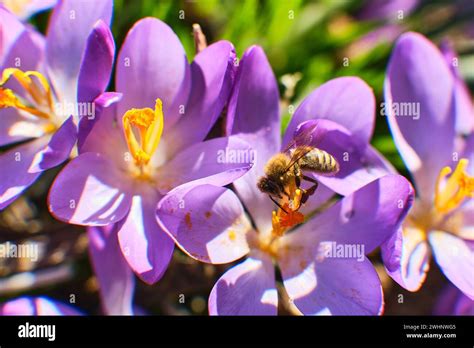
pixel 463 102
pixel 219 161
pixel 467 213
pixel 464 305
pixel 116 279
pixel 254 103
pixel 455 257
pixel 207 222
pixel 90 191
pixel 332 286
pixel 58 149
pixel 367 217
pixel 348 101
pixel 212 73
pixel 69 28
pixel 419 77
pixel 26 52
pixel 15 164
pixel 322 195
pixel 464 108
pixel 146 247
pixel 372 214
pixel 102 133
pixel 359 164
pixel 468 153
pixel 253 113
pixel 246 289
pixel 36 306
pixel 406 256
pixel 10 29
pixel 322 282
pixel 446 301
pixel 453 302
pixel 96 67
pixel 152 64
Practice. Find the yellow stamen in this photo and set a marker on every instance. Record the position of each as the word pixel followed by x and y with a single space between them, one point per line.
pixel 40 91
pixel 277 229
pixel 8 99
pixel 459 186
pixel 149 125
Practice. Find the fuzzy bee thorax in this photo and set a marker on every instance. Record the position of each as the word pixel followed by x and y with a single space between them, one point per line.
pixel 277 165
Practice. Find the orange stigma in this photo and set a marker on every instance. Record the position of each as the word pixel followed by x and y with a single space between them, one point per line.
pixel 287 217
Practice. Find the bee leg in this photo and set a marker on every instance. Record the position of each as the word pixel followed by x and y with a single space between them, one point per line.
pixel 304 197
pixel 310 179
pixel 297 181
pixel 310 191
pixel 297 174
pixel 277 204
pixel 307 193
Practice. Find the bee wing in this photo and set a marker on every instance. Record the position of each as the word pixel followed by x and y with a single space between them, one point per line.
pixel 289 146
pixel 295 159
pixel 306 134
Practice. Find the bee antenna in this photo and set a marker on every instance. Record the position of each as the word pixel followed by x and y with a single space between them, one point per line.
pixel 278 204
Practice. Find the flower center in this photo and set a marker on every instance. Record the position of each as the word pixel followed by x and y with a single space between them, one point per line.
pixel 458 187
pixel 143 129
pixel 37 99
pixel 450 193
pixel 282 221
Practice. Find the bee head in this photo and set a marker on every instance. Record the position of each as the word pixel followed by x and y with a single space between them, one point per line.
pixel 266 185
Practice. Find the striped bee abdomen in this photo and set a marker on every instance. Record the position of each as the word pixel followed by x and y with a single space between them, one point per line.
pixel 319 161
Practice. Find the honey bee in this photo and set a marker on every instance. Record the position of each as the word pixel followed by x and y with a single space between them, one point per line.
pixel 284 171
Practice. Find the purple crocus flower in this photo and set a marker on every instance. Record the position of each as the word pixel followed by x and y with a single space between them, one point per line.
pixel 24 9
pixel 44 82
pixel 212 226
pixel 440 161
pixel 147 140
pixel 36 306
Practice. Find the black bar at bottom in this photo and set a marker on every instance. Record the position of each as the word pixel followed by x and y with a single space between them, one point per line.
pixel 418 331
